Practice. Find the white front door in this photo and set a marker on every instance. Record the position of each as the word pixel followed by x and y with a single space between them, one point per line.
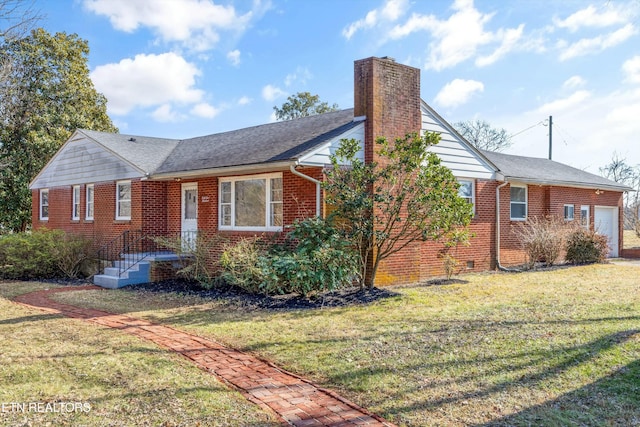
pixel 189 215
pixel 605 219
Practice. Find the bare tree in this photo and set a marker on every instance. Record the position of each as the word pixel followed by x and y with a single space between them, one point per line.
pixel 620 171
pixel 483 136
pixel 17 17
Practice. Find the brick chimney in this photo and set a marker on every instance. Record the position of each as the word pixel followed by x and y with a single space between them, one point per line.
pixel 388 94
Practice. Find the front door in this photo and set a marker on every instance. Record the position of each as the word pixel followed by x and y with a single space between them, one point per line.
pixel 189 215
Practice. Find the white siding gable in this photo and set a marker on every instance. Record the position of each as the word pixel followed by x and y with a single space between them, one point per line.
pixel 320 156
pixel 82 160
pixel 455 153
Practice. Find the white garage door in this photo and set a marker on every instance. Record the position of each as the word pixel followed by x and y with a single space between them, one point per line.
pixel 606 223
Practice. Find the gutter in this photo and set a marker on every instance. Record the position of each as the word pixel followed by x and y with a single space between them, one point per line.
pixel 498 265
pixel 293 170
pixel 223 171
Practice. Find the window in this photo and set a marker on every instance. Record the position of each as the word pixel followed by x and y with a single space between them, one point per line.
pixel 584 216
pixel 123 200
pixel 44 204
pixel 518 202
pixel 466 191
pixel 89 202
pixel 75 209
pixel 251 203
pixel 569 212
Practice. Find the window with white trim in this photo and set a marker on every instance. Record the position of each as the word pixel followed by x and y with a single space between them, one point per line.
pixel 44 204
pixel 90 197
pixel 75 207
pixel 584 216
pixel 123 200
pixel 252 203
pixel 518 202
pixel 569 212
pixel 467 191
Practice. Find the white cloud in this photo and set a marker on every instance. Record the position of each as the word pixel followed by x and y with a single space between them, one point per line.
pixel 271 93
pixel 587 129
pixel 165 113
pixel 146 81
pixel 301 75
pixel 631 69
pixel 245 100
pixel 508 38
pixel 194 23
pixel 451 45
pixel 574 82
pixel 205 110
pixel 234 57
pixel 563 104
pixel 597 44
pixel 458 92
pixel 592 17
pixel 390 11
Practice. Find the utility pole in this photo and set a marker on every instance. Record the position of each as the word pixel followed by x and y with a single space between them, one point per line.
pixel 550 136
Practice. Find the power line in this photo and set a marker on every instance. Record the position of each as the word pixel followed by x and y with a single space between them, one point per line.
pixel 524 130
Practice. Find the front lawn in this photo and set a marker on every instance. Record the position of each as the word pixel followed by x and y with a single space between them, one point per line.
pixel 93 376
pixel 550 348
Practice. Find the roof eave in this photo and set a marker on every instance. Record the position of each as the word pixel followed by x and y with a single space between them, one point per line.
pixel 571 184
pixel 223 171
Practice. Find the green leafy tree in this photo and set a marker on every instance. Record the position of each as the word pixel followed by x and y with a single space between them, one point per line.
pixel 46 96
pixel 385 206
pixel 303 104
pixel 483 136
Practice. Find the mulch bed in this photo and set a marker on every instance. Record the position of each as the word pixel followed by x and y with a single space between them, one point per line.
pixel 242 299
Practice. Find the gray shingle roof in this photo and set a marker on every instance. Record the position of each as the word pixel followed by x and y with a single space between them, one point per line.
pixel 533 170
pixel 279 141
pixel 143 152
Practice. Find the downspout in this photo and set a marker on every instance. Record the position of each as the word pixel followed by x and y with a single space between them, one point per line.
pixel 498 265
pixel 293 170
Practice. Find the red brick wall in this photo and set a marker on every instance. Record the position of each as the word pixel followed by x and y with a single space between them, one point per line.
pixel 147 210
pixel 549 201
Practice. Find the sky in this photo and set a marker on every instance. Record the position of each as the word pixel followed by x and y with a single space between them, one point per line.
pixel 184 68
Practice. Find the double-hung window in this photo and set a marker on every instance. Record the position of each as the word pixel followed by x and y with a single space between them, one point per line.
pixel 467 191
pixel 584 216
pixel 518 202
pixel 75 207
pixel 569 212
pixel 123 200
pixel 44 204
pixel 252 203
pixel 90 197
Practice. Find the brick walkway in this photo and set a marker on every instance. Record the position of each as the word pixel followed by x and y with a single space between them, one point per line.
pixel 297 401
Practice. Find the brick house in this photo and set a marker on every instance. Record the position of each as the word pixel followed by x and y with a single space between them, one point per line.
pixel 257 180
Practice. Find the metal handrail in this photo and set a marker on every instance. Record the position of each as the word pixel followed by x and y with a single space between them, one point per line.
pixel 134 246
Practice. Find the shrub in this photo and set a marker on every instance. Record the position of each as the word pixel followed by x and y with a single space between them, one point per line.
pixel 586 246
pixel 244 265
pixel 198 258
pixel 543 239
pixel 321 259
pixel 313 258
pixel 43 254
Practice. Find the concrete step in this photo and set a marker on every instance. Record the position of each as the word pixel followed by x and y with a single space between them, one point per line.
pixel 136 274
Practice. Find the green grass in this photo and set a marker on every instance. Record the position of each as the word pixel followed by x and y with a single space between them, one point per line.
pixel 547 348
pixel 125 381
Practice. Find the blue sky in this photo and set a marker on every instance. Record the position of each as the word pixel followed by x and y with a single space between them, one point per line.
pixel 183 68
